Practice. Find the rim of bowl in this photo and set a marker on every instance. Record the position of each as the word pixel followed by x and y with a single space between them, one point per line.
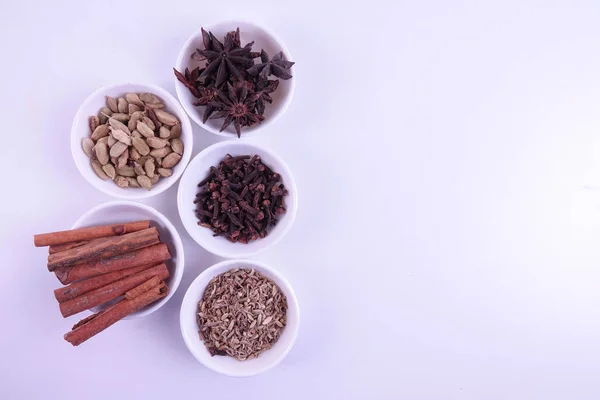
pixel 289 293
pixel 194 116
pixel 176 278
pixel 290 212
pixel 186 126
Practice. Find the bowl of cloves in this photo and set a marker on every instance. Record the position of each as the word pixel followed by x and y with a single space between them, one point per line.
pixel 234 78
pixel 237 199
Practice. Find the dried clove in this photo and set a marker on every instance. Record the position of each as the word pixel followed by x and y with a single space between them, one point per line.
pixel 240 199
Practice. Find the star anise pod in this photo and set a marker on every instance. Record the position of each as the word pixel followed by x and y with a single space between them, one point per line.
pixel 209 40
pixel 236 106
pixel 193 75
pixel 189 78
pixel 226 60
pixel 238 43
pixel 207 95
pixel 276 66
pixel 262 93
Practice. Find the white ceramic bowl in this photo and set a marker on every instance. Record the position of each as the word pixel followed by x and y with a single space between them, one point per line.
pixel 126 211
pixel 263 39
pixel 81 130
pixel 198 169
pixel 229 365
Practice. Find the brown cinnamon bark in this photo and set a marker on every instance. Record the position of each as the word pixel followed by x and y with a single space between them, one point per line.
pixel 144 287
pixel 104 248
pixel 111 291
pixel 147 255
pixel 87 285
pixel 75 235
pixel 96 323
pixel 88 318
pixel 57 248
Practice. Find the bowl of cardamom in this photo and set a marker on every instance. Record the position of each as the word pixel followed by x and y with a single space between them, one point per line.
pixel 131 141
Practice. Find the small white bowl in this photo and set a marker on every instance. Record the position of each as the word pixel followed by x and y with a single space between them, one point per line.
pixel 198 169
pixel 81 130
pixel 115 212
pixel 228 365
pixel 263 39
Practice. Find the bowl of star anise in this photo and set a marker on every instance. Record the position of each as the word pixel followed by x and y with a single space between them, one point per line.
pixel 234 78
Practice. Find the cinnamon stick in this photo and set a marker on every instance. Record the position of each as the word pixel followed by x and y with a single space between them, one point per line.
pixel 87 285
pixel 147 255
pixel 103 248
pixel 96 323
pixel 88 318
pixel 111 291
pixel 57 248
pixel 144 287
pixel 75 235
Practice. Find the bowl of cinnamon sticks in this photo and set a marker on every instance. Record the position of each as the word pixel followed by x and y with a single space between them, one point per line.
pixel 121 260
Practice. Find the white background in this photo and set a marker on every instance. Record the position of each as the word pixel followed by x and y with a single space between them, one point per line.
pixel 447 239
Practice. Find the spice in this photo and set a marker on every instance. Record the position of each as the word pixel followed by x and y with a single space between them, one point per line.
pixel 237 107
pixel 104 248
pixel 242 314
pixel 103 264
pixel 111 291
pixel 95 232
pixel 276 66
pixel 121 143
pixel 229 84
pixel 146 257
pixel 240 199
pixel 133 301
pixel 88 285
